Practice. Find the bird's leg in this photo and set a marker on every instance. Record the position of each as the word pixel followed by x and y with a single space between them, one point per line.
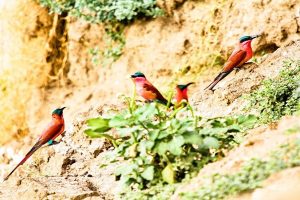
pixel 148 101
pixel 237 69
pixel 52 142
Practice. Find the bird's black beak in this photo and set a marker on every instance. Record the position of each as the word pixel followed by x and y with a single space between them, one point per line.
pixel 255 36
pixel 189 84
pixel 182 87
pixel 63 108
pixel 132 76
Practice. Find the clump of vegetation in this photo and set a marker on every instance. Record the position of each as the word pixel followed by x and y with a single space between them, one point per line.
pixel 111 13
pixel 96 11
pixel 251 175
pixel 164 146
pixel 279 96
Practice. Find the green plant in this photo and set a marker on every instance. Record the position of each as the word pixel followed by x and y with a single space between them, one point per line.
pixel 98 11
pixel 277 97
pixel 111 13
pixel 160 145
pixel 251 175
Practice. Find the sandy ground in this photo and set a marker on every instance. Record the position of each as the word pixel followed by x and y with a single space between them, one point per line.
pixel 162 49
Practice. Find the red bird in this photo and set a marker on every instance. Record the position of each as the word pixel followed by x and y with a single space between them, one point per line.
pixel 182 92
pixel 53 130
pixel 145 89
pixel 239 56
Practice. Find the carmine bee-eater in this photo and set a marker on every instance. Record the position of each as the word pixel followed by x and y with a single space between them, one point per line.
pixel 145 89
pixel 53 130
pixel 241 54
pixel 181 92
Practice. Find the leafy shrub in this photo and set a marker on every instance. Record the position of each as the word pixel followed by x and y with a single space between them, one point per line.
pixel 111 13
pixel 159 145
pixel 251 175
pixel 278 97
pixel 105 10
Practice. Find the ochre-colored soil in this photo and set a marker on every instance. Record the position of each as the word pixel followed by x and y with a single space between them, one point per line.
pixel 192 35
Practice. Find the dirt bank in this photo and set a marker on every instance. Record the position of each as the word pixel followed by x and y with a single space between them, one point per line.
pixel 186 45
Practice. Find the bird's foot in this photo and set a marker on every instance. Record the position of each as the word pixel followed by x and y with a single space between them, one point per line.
pixel 249 62
pixel 210 89
pixel 237 69
pixel 139 101
pixel 52 142
pixel 148 101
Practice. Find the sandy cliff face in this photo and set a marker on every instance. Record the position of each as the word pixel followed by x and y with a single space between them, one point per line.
pixel 182 46
pixel 195 32
pixel 71 169
pixel 24 28
pixel 51 56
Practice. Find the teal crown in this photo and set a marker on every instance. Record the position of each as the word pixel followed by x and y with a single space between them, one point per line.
pixel 58 111
pixel 137 74
pixel 246 38
pixel 182 87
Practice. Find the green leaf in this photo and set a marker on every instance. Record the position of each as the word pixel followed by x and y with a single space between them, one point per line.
pixel 213 131
pixel 211 142
pixel 164 134
pixel 94 134
pixel 168 174
pixel 247 121
pixel 145 146
pixel 192 138
pixel 186 125
pixel 126 169
pixel 124 132
pixel 161 147
pixel 175 145
pixel 146 112
pixel 148 173
pixel 229 121
pixel 217 124
pixel 118 121
pixel 153 135
pixel 99 124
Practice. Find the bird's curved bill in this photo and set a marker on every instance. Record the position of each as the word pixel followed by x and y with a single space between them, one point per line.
pixel 63 108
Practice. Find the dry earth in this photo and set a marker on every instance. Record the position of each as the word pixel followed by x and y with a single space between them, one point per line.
pixel 160 48
pixel 71 169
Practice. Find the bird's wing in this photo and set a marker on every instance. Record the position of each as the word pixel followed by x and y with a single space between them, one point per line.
pixel 51 131
pixel 151 92
pixel 62 129
pixel 234 60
